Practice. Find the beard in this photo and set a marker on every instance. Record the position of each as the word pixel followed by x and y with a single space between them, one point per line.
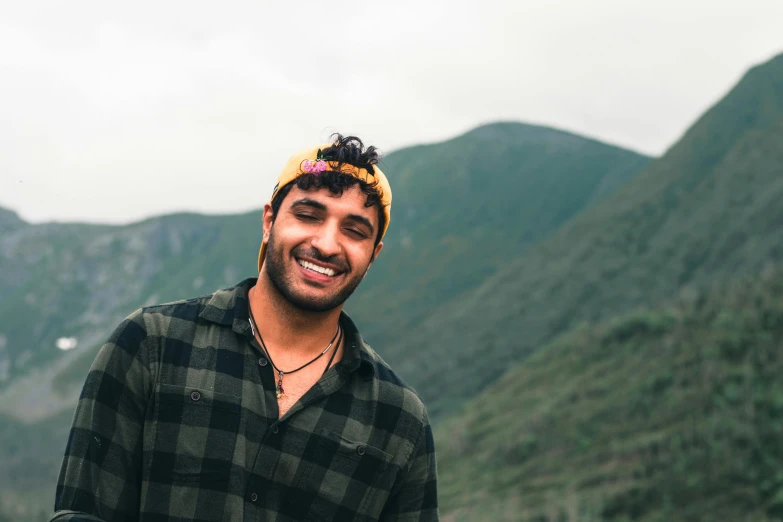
pixel 283 279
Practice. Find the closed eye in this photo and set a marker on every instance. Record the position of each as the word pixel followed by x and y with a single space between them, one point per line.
pixel 357 233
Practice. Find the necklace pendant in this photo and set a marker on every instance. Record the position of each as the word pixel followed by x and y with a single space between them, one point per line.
pixel 279 390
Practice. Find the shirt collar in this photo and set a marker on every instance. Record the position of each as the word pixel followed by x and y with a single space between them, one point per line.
pixel 359 356
pixel 229 307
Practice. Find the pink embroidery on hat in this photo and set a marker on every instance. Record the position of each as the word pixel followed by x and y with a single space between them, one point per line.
pixel 313 167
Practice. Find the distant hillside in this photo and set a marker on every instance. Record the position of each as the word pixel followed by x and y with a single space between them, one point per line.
pixel 463 207
pixel 31 455
pixel 62 280
pixel 670 415
pixel 9 220
pixel 460 208
pixel 496 248
pixel 709 209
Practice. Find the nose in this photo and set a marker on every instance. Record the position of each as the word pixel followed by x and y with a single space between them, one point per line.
pixel 325 239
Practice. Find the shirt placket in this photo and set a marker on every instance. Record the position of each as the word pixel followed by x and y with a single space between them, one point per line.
pixel 266 461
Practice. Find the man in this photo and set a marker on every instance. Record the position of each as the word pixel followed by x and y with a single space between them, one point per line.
pixel 260 402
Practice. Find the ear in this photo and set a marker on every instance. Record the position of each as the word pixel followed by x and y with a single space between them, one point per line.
pixel 375 253
pixel 268 219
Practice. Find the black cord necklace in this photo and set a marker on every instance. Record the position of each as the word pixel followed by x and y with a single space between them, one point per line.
pixel 334 352
pixel 279 392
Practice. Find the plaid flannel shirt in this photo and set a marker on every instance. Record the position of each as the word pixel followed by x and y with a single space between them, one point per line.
pixel 178 420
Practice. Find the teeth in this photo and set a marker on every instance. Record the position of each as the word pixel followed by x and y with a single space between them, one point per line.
pixel 315 268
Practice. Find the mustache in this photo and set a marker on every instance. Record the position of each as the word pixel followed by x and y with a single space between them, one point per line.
pixel 313 253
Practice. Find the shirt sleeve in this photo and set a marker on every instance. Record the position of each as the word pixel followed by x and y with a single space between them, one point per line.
pixel 101 472
pixel 415 497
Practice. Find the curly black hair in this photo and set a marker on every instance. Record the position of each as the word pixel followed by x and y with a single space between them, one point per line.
pixel 344 150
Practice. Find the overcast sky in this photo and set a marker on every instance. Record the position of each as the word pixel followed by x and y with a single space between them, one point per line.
pixel 115 111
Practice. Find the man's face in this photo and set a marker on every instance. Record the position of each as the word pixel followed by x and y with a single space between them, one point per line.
pixel 319 246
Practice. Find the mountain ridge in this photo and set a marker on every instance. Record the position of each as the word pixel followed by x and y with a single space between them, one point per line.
pixel 638 246
pixel 63 279
pixel 513 192
pixel 681 227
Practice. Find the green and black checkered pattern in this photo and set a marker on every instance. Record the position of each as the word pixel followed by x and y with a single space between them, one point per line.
pixel 178 421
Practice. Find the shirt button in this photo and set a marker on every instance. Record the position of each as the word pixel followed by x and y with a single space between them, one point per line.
pixel 195 395
pixel 263 362
pixel 360 450
pixel 253 497
pixel 275 430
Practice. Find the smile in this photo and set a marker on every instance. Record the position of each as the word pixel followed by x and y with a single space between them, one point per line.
pixel 307 265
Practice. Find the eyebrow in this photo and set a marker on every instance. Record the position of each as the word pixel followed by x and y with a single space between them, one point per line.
pixel 307 202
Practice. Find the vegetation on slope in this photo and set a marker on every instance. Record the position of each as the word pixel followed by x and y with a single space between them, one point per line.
pixel 60 280
pixel 73 280
pixel 667 415
pixel 31 455
pixel 76 280
pixel 464 207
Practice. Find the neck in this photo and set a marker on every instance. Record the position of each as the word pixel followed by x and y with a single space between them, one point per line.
pixel 283 326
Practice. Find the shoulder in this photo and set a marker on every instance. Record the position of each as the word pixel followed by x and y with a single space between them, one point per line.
pixel 139 329
pixel 219 307
pixel 393 390
pixel 159 319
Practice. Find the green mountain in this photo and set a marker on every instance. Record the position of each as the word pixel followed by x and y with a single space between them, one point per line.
pixel 709 209
pixel 31 454
pixel 461 208
pixel 496 248
pixel 669 415
pixel 78 281
pixel 9 220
